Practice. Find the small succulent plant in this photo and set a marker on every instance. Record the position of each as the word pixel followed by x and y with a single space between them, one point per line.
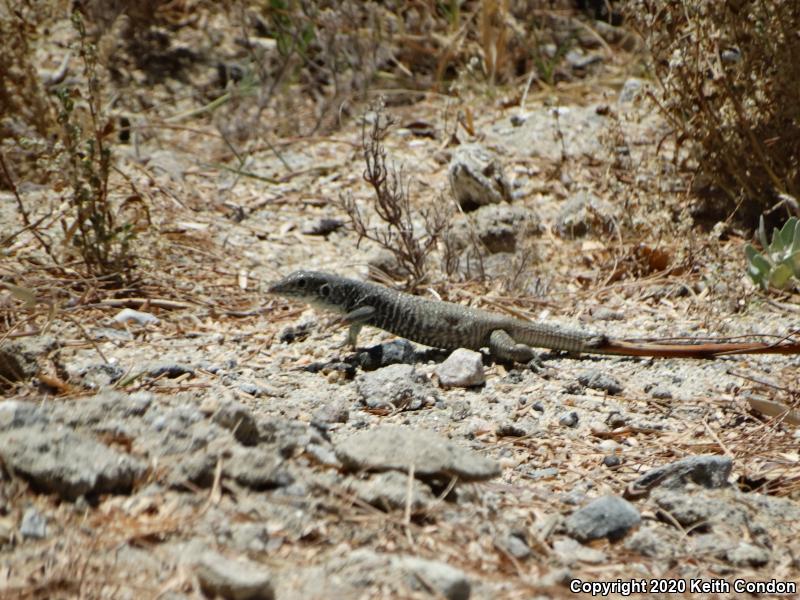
pixel 780 261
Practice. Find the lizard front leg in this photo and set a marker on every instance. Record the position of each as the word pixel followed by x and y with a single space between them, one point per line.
pixel 356 319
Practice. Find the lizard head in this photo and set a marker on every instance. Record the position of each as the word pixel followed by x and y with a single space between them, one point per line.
pixel 321 290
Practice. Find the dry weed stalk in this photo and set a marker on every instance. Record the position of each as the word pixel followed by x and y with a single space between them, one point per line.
pixel 392 203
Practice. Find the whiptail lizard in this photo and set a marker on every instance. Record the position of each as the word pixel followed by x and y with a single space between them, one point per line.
pixel 450 326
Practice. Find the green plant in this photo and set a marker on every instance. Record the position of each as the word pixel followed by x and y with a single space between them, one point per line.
pixel 780 262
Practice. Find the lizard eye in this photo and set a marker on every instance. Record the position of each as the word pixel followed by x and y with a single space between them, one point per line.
pixel 301 283
pixel 325 290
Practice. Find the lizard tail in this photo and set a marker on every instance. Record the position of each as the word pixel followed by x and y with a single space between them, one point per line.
pixel 704 350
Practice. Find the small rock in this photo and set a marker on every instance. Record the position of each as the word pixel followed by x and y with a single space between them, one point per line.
pixel 395 387
pixel 631 90
pixel 476 177
pixel 389 491
pixel 422 574
pixel 463 368
pixel 323 226
pixel 259 468
pixel 748 555
pixel 602 313
pixel 240 579
pixel 570 551
pixel 101 375
pixel 170 370
pixel 598 380
pixel 391 447
pixel 545 473
pixel 515 546
pixel 612 460
pixel 661 392
pixel 127 315
pixel 569 419
pixel 255 390
pixel 388 353
pixel 498 228
pixel 384 261
pixel 579 60
pixel 608 516
pixel 197 469
pixel 518 120
pixel 584 213
pixel 708 470
pixel 647 541
pixel 324 455
pixel 295 333
pixel 689 510
pixel 615 420
pixel 460 410
pixel 335 411
pixel 510 429
pixel 34 525
pixel 236 417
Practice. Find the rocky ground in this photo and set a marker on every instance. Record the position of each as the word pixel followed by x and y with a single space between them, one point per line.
pixel 220 442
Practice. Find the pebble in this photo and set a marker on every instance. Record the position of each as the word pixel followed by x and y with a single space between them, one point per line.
pixel 127 315
pixel 34 524
pixel 569 419
pixel 463 368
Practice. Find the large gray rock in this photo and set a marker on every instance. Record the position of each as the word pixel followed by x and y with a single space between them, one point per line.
pixel 67 463
pixel 398 448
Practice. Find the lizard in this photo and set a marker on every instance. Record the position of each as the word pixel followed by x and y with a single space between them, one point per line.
pixel 451 326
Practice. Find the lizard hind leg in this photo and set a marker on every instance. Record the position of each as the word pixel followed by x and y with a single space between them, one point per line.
pixel 504 347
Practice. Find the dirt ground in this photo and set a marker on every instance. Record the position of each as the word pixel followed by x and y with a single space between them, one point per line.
pixel 221 442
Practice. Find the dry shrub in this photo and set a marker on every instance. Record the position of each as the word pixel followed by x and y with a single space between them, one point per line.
pixel 729 75
pixel 56 131
pixel 26 116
